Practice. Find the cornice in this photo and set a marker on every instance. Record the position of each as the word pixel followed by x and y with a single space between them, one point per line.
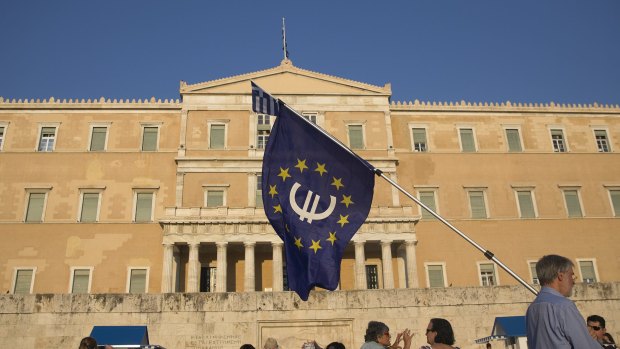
pixel 101 103
pixel 503 107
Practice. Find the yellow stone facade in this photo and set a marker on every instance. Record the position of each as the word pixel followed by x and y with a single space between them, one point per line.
pixel 133 216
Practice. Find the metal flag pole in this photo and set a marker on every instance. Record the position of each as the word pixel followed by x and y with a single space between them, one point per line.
pixel 284 48
pixel 488 254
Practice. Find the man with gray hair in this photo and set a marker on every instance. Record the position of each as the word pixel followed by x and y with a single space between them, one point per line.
pixel 552 320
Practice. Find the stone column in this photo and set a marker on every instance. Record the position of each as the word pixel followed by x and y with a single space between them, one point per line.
pixel 360 268
pixel 386 258
pixel 193 275
pixel 166 273
pixel 220 282
pixel 278 277
pixel 249 281
pixel 412 266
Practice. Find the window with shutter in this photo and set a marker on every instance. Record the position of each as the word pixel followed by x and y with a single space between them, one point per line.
pixel 435 275
pixel 372 277
pixel 217 136
pixel 90 207
pixel 588 275
pixel 215 198
pixel 477 205
pixel 259 191
pixel 356 137
pixel 467 140
pixel 97 138
pixel 514 141
pixel 23 281
pixel 534 274
pixel 1 136
pixel 36 203
pixel 428 199
pixel 615 201
pixel 419 139
pixel 144 207
pixel 137 281
pixel 526 204
pixel 573 205
pixel 81 278
pixel 149 138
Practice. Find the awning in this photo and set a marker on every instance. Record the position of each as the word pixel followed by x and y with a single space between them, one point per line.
pixel 506 327
pixel 124 336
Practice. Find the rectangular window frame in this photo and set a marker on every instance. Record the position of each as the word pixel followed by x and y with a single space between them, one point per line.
pixel 32 278
pixel 362 130
pixel 370 282
pixel 91 133
pixel 46 149
pixel 419 145
pixel 435 207
pixel 210 125
pixel 146 281
pixel 443 270
pixel 144 126
pixel 134 212
pixel 72 277
pixel 258 191
pixel 594 266
pixel 311 116
pixel 516 128
pixel 602 145
pixel 480 276
pixel 215 187
pixel 4 126
pixel 518 190
pixel 576 189
pixel 264 124
pixel 29 191
pixel 473 135
pixel 558 145
pixel 615 204
pixel 471 190
pixel 80 213
pixel 531 265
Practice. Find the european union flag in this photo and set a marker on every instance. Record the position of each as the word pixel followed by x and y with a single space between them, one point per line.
pixel 316 195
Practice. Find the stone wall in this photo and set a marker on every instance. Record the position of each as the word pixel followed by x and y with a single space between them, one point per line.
pixel 227 320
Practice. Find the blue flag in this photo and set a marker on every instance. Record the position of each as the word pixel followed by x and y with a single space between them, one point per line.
pixel 316 195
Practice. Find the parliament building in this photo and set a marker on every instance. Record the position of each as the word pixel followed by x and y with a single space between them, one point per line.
pixel 149 196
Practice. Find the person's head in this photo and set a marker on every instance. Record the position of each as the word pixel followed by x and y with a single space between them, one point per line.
pixel 488 345
pixel 596 324
pixel 377 332
pixel 556 272
pixel 247 346
pixel 335 345
pixel 271 343
pixel 88 343
pixel 608 339
pixel 439 331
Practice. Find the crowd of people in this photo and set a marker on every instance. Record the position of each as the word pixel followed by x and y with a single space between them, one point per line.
pixel 552 321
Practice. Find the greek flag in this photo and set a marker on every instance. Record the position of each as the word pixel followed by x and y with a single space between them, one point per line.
pixel 262 102
pixel 316 195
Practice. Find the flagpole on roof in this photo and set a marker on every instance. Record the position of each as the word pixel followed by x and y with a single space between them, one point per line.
pixel 284 48
pixel 488 254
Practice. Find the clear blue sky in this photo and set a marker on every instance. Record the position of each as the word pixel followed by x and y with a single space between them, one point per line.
pixel 436 50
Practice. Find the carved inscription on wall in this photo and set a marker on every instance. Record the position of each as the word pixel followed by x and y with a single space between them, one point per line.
pixel 214 341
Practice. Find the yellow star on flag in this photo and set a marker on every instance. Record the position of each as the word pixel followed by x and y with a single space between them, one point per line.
pixel 316 245
pixel 343 220
pixel 320 168
pixel 298 243
pixel 284 174
pixel 277 209
pixel 332 237
pixel 272 190
pixel 346 200
pixel 301 165
pixel 337 183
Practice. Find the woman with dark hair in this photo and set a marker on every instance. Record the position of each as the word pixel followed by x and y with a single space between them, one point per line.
pixel 439 335
pixel 378 337
pixel 88 343
pixel 335 345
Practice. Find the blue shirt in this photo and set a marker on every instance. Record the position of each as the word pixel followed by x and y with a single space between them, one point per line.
pixel 553 321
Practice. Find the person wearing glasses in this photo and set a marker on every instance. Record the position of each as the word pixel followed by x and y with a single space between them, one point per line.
pixel 439 335
pixel 596 325
pixel 552 320
pixel 378 337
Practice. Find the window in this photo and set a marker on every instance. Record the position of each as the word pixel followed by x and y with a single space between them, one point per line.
pixel 138 280
pixel 427 197
pixel 208 276
pixel 557 138
pixel 144 206
pixel 535 280
pixel 259 191
pixel 149 138
pixel 2 128
pixel 487 274
pixel 602 143
pixel 47 138
pixel 514 140
pixel 372 277
pixel 526 203
pixel 468 143
pixel 263 130
pixel 419 139
pixel 89 209
pixel 217 136
pixel 24 280
pixel 588 271
pixel 477 204
pixel 435 275
pixel 356 136
pixel 80 280
pixel 98 138
pixel 614 195
pixel 36 206
pixel 310 116
pixel 214 198
pixel 573 204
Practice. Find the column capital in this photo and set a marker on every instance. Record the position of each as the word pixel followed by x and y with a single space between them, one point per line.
pixel 386 242
pixel 249 243
pixel 277 243
pixel 357 243
pixel 221 243
pixel 411 242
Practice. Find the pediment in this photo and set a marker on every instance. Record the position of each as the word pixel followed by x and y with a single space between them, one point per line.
pixel 286 79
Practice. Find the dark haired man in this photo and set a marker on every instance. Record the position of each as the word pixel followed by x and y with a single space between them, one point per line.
pixel 552 320
pixel 596 325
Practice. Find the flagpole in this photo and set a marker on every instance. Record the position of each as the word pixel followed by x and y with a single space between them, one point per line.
pixel 284 48
pixel 488 254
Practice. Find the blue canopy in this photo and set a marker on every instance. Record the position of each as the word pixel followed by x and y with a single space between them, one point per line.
pixel 506 327
pixel 126 336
